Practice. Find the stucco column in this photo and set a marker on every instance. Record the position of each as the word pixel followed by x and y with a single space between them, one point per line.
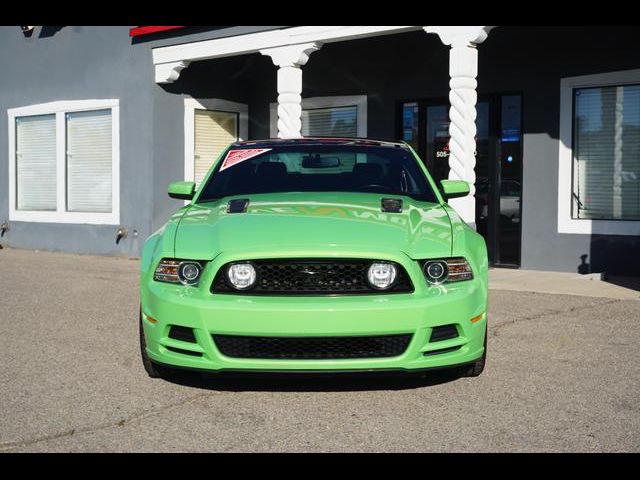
pixel 463 97
pixel 289 59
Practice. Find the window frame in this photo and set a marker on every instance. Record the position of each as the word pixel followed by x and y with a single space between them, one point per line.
pixel 60 109
pixel 566 222
pixel 212 104
pixel 359 101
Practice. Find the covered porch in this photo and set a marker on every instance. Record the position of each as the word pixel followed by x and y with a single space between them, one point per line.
pixel 293 50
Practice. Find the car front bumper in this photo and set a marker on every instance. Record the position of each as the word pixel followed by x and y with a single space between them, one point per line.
pixel 164 305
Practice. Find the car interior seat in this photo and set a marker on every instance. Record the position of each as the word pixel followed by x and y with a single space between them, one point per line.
pixel 367 174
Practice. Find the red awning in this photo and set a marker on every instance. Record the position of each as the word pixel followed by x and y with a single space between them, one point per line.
pixel 136 31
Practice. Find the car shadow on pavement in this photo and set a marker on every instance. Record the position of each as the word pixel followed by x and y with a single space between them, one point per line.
pixel 316 382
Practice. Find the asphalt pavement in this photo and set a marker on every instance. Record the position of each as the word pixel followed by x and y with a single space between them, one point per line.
pixel 563 375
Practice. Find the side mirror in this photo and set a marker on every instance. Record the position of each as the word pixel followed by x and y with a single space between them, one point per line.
pixel 182 190
pixel 454 188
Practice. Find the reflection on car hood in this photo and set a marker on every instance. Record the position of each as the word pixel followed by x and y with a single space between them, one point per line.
pixel 312 223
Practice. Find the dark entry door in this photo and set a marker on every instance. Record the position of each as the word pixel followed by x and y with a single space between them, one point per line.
pixel 425 125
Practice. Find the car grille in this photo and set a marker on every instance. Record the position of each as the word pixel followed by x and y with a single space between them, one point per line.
pixel 312 348
pixel 313 276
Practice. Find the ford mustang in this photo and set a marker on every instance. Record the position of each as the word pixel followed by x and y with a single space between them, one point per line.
pixel 315 255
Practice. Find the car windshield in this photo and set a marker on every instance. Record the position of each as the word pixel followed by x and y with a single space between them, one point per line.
pixel 388 170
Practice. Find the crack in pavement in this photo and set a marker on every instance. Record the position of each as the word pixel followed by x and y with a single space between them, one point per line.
pixel 4 446
pixel 494 330
pixel 120 423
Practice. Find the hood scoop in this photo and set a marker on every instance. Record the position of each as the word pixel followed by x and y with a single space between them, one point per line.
pixel 392 205
pixel 238 205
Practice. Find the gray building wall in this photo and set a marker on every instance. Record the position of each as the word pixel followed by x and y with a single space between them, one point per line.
pixel 76 63
pixel 533 61
pixel 103 62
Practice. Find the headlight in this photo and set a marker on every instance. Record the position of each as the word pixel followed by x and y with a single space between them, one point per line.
pixel 189 272
pixel 436 272
pixel 447 270
pixel 178 271
pixel 382 275
pixel 241 276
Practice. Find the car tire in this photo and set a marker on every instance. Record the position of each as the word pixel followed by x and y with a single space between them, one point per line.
pixel 477 367
pixel 153 369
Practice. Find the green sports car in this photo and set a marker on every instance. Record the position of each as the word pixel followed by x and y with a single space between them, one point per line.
pixel 315 255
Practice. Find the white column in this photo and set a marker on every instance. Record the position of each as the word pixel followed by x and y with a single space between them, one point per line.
pixel 463 70
pixel 289 59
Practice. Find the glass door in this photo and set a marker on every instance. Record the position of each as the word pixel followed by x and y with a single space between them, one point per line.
pixel 509 180
pixel 425 125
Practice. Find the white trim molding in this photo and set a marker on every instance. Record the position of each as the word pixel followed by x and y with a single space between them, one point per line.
pixel 567 224
pixel 461 36
pixel 291 55
pixel 190 106
pixel 169 72
pixel 60 108
pixel 170 60
pixel 360 101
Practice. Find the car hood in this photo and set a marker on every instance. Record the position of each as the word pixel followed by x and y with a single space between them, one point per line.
pixel 313 224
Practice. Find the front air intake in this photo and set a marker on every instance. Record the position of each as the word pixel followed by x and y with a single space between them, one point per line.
pixel 312 348
pixel 183 334
pixel 444 332
pixel 442 351
pixel 312 277
pixel 184 352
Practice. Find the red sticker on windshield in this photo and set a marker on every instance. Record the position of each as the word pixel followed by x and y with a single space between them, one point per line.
pixel 236 156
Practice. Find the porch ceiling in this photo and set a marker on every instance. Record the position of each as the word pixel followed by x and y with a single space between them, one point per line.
pixel 169 61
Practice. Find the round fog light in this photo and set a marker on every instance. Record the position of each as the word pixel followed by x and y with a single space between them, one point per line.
pixel 381 276
pixel 189 272
pixel 241 275
pixel 436 272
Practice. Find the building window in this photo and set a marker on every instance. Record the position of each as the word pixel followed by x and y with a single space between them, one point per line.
pixel 606 153
pixel 64 163
pixel 599 154
pixel 341 116
pixel 210 125
pixel 214 131
pixel 35 158
pixel 330 122
pixel 89 161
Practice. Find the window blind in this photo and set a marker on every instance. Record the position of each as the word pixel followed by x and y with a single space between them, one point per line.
pixel 330 122
pixel 36 162
pixel 89 161
pixel 606 183
pixel 214 131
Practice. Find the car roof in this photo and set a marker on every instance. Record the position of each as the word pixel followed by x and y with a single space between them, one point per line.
pixel 275 142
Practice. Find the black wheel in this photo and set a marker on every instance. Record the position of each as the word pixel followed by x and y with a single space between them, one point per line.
pixel 153 370
pixel 476 368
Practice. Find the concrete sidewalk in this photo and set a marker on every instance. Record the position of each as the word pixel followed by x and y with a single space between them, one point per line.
pixel 622 288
